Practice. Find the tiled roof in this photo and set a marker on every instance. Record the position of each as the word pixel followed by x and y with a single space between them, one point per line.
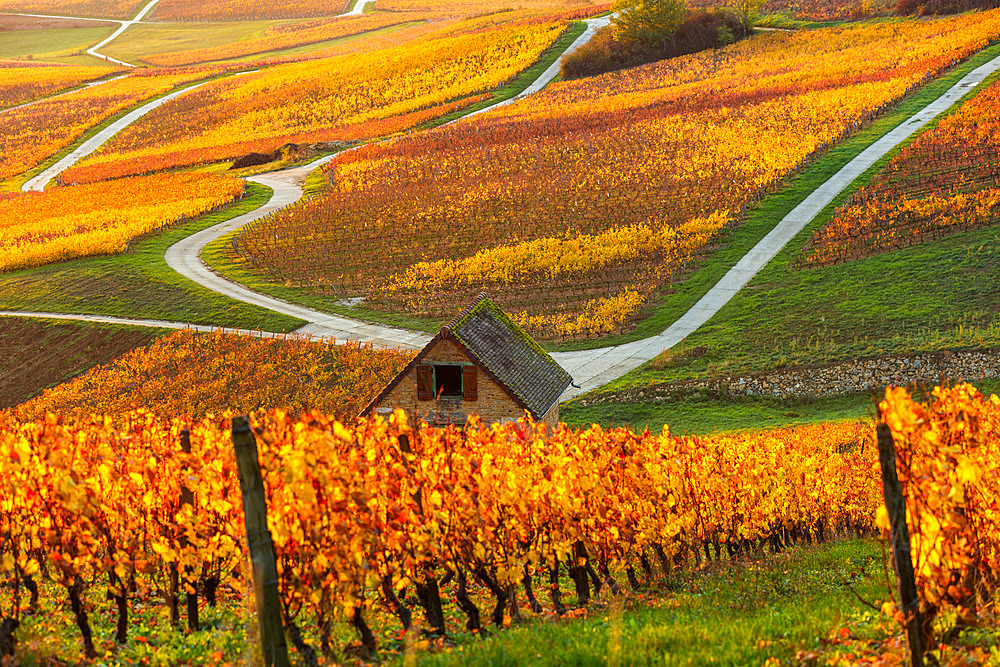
pixel 511 355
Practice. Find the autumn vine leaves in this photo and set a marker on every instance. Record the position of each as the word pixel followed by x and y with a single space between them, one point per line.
pixel 943 183
pixel 948 458
pixel 343 98
pixel 101 218
pixel 357 514
pixel 587 167
pixel 362 511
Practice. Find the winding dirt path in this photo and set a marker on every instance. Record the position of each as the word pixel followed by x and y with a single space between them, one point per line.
pixel 184 257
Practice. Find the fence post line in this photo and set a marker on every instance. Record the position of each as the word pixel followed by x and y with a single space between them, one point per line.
pixel 187 498
pixel 265 572
pixel 895 504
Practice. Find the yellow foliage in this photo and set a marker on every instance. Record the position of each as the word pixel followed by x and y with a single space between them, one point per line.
pixel 99 219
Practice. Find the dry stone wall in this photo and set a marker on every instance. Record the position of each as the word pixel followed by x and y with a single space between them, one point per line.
pixel 829 380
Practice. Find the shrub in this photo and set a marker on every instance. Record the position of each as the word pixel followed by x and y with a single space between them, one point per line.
pixel 701 30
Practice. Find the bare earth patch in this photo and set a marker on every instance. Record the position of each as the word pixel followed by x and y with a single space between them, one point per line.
pixel 35 355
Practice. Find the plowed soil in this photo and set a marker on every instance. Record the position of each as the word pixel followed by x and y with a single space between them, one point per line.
pixel 35 355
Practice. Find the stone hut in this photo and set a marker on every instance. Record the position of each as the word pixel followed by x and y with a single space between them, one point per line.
pixel 479 363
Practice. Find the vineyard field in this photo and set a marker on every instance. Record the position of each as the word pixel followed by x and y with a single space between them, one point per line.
pixel 478 7
pixel 112 9
pixel 313 539
pixel 358 514
pixel 102 218
pixel 197 374
pixel 944 182
pixel 669 151
pixel 819 10
pixel 341 98
pixel 160 46
pixel 23 83
pixel 34 133
pixel 244 10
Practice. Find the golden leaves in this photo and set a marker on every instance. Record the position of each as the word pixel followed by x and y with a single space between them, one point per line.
pixel 77 221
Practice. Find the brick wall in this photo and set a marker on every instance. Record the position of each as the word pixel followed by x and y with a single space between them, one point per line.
pixel 494 403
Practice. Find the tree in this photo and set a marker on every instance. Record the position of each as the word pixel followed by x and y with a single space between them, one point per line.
pixel 747 11
pixel 650 23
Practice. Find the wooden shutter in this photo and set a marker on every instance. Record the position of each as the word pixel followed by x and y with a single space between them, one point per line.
pixel 470 390
pixel 425 383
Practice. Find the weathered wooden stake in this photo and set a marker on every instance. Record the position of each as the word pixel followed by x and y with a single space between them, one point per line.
pixel 265 572
pixel 900 536
pixel 190 583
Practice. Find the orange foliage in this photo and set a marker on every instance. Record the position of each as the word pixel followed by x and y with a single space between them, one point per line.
pixel 481 7
pixel 322 100
pixel 188 373
pixel 21 82
pixel 101 218
pixel 948 458
pixel 116 9
pixel 653 147
pixel 34 133
pixel 284 37
pixel 245 10
pixel 814 10
pixel 944 182
pixel 355 514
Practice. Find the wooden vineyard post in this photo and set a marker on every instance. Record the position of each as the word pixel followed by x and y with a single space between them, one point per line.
pixel 190 583
pixel 265 572
pixel 900 536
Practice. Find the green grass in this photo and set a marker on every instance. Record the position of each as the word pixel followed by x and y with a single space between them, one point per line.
pixel 773 208
pixel 732 614
pixel 729 613
pixel 932 296
pixel 140 284
pixel 704 412
pixel 152 38
pixel 145 40
pixel 61 45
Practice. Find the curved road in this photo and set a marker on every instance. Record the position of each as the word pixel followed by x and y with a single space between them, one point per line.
pixel 590 368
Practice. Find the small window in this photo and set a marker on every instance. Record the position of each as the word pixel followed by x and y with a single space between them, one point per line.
pixel 447 380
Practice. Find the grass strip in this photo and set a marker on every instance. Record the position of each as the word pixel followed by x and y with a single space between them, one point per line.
pixel 139 284
pixel 728 614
